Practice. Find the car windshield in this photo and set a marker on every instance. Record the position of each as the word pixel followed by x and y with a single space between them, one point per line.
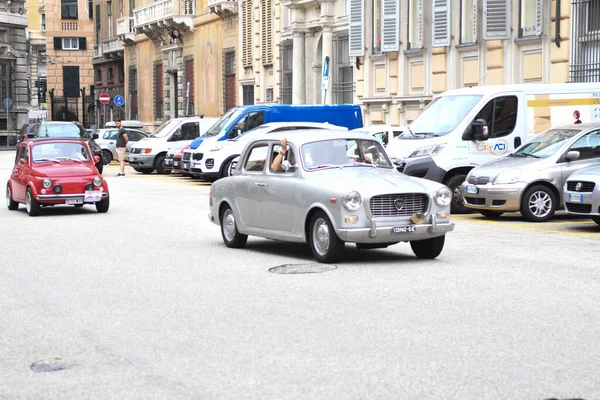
pixel 164 129
pixel 60 151
pixel 59 130
pixel 441 116
pixel 223 122
pixel 257 128
pixel 545 144
pixel 334 153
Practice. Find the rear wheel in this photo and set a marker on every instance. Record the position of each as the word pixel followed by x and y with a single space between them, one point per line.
pixel 491 214
pixel 10 203
pixel 428 248
pixel 231 236
pixel 107 156
pixel 324 243
pixel 103 205
pixel 457 205
pixel 33 207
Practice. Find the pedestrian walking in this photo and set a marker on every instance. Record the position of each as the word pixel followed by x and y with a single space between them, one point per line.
pixel 122 140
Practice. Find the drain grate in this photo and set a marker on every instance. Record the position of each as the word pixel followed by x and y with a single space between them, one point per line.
pixel 57 364
pixel 302 268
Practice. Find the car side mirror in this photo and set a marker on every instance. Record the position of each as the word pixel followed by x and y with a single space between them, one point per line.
pixel 22 161
pixel 572 155
pixel 95 136
pixel 233 133
pixel 479 130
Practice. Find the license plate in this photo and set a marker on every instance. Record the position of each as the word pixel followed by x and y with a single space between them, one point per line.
pixel 575 197
pixel 472 189
pixel 92 196
pixel 176 164
pixel 168 162
pixel 186 165
pixel 404 229
pixel 74 201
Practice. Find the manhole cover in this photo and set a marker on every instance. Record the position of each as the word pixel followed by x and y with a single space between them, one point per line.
pixel 57 364
pixel 302 268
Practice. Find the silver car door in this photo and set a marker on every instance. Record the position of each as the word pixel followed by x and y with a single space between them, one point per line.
pixel 278 194
pixel 249 186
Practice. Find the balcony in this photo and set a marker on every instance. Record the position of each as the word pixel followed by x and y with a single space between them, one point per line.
pixel 163 20
pixel 98 51
pixel 112 48
pixel 125 29
pixel 223 8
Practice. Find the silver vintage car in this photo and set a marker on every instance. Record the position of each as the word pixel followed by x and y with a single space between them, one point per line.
pixel 328 189
pixel 530 179
pixel 581 192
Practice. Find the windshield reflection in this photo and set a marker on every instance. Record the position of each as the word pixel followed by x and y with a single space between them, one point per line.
pixel 164 129
pixel 222 122
pixel 344 153
pixel 545 144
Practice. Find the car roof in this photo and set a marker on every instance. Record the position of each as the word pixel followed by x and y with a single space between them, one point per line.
pixel 378 128
pixel 60 122
pixel 582 126
pixel 302 136
pixel 301 123
pixel 53 139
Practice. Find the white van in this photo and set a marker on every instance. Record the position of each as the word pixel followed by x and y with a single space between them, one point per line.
pixel 126 123
pixel 466 127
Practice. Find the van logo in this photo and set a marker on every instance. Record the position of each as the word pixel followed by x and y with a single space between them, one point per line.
pixel 498 149
pixel 398 203
pixel 500 146
pixel 578 186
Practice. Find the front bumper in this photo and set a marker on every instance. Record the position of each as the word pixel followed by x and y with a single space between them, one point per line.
pixel 588 204
pixel 503 198
pixel 141 161
pixel 62 198
pixel 381 232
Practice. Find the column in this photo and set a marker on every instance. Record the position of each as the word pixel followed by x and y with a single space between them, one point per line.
pixel 328 52
pixel 299 70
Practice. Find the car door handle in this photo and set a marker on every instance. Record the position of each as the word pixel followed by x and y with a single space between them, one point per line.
pixel 261 184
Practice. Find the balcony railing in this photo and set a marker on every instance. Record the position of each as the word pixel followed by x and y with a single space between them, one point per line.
pixel 222 7
pixel 161 11
pixel 98 50
pixel 125 29
pixel 112 46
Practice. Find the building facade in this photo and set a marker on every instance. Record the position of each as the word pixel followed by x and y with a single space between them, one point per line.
pixel 180 58
pixel 14 96
pixel 38 72
pixel 109 69
pixel 69 50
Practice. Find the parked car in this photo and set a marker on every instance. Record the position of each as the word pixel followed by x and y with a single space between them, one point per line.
pixel 215 159
pixel 383 133
pixel 24 131
pixel 58 129
pixel 530 179
pixel 328 194
pixel 581 192
pixel 108 141
pixel 50 172
pixel 173 159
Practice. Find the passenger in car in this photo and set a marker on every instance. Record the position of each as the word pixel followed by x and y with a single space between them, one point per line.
pixel 285 160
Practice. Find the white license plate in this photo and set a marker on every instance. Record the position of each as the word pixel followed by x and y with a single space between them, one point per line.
pixel 186 165
pixel 92 196
pixel 472 189
pixel 74 201
pixel 176 164
pixel 404 229
pixel 575 197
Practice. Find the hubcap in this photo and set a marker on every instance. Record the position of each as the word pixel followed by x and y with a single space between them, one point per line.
pixel 321 237
pixel 540 204
pixel 229 225
pixel 8 196
pixel 28 202
pixel 458 199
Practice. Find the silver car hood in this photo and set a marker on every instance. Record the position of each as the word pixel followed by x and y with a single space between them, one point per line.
pixel 493 168
pixel 370 181
pixel 593 170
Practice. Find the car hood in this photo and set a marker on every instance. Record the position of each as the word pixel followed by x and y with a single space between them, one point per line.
pixel 592 170
pixel 65 169
pixel 370 181
pixel 146 141
pixel 403 147
pixel 493 168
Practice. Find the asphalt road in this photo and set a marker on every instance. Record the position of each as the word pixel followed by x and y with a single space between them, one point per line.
pixel 145 302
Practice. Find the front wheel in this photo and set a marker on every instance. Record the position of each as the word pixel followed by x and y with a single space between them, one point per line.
pixel 103 205
pixel 231 236
pixel 324 243
pixel 596 220
pixel 227 170
pixel 33 207
pixel 10 203
pixel 457 206
pixel 429 248
pixel 538 204
pixel 159 165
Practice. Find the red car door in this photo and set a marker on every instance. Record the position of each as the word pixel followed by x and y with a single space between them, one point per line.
pixel 19 173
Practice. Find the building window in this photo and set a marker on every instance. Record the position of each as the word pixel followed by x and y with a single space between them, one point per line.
pixel 158 91
pixel 229 79
pixel 248 94
pixel 120 8
pixel 189 77
pixel 376 26
pixel 530 18
pixel 91 9
pixel 269 95
pixel 71 81
pixel 121 74
pixel 468 21
pixel 70 43
pixel 68 9
pixel 43 22
pixel 287 63
pixel 343 80
pixel 415 24
pixel 98 25
pixel 133 95
pixel 585 41
pixel 6 72
pixel 188 7
pixel 110 75
pixel 110 20
pixel 98 76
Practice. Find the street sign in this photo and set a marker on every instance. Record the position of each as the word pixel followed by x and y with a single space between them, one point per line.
pixel 104 98
pixel 325 77
pixel 7 103
pixel 119 101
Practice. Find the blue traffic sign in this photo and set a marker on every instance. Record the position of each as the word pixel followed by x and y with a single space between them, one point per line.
pixel 119 101
pixel 7 103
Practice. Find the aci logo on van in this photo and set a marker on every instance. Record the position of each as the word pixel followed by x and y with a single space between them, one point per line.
pixel 498 149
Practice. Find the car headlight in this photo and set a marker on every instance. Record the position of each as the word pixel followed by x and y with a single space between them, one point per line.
pixel 352 201
pixel 97 181
pixel 443 196
pixel 427 150
pixel 47 183
pixel 510 176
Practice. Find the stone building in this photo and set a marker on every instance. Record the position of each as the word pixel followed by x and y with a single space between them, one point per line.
pixel 38 73
pixel 69 52
pixel 109 70
pixel 13 70
pixel 179 57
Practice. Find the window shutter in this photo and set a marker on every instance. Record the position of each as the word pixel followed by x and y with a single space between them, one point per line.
pixel 475 21
pixel 495 19
pixel 57 43
pixel 71 81
pixel 266 32
pixel 419 38
pixel 247 34
pixel 357 28
pixel 390 27
pixel 538 17
pixel 82 43
pixel 441 23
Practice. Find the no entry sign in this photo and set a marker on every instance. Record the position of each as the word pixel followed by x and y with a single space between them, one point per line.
pixel 104 98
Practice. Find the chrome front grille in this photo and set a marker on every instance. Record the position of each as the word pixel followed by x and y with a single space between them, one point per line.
pixel 170 156
pixel 584 187
pixel 198 156
pixel 398 205
pixel 479 180
pixel 186 156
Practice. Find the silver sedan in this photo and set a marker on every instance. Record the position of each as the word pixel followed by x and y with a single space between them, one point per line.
pixel 531 178
pixel 581 193
pixel 328 189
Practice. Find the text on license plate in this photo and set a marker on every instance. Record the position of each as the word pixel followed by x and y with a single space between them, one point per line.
pixel 575 197
pixel 404 229
pixel 472 189
pixel 74 201
pixel 186 165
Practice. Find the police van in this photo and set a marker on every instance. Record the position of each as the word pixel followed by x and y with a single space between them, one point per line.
pixel 466 127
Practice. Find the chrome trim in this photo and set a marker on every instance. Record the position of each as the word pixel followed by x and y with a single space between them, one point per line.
pixel 433 226
pixel 373 230
pixel 65 196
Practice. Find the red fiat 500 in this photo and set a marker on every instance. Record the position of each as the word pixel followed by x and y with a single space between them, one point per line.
pixel 55 171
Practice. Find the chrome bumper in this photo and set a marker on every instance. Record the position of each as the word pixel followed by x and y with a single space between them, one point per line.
pixel 65 196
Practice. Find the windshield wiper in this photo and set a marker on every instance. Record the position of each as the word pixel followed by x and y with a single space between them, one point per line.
pixel 327 166
pixel 358 163
pixel 46 160
pixel 524 155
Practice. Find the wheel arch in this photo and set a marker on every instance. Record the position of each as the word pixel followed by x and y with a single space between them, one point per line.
pixel 312 210
pixel 549 185
pixel 456 171
pixel 225 161
pixel 161 153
